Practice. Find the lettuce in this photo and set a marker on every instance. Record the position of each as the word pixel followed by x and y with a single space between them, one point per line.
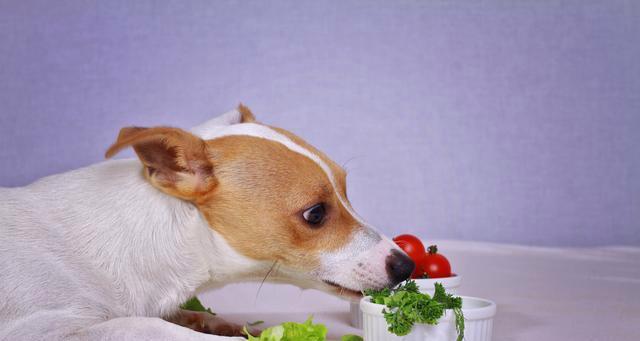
pixel 194 304
pixel 292 331
pixel 288 331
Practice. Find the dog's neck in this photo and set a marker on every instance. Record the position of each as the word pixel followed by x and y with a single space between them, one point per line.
pixel 155 250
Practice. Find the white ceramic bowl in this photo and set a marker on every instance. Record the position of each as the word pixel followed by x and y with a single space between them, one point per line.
pixel 478 314
pixel 451 284
pixel 426 285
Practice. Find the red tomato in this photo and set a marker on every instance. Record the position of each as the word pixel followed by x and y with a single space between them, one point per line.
pixel 414 248
pixel 435 265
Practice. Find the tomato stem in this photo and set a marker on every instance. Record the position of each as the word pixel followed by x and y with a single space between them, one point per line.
pixel 433 249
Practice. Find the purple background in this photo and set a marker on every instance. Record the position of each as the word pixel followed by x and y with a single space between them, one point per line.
pixel 507 121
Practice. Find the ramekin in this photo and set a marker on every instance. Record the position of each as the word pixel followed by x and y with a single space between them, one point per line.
pixel 426 285
pixel 478 319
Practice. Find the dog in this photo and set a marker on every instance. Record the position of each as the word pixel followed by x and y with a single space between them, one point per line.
pixel 110 251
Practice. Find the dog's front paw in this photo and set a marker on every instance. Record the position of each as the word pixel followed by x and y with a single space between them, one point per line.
pixel 207 323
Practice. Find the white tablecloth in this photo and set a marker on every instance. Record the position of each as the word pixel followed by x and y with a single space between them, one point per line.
pixel 542 293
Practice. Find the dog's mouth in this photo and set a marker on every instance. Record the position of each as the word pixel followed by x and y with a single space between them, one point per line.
pixel 342 291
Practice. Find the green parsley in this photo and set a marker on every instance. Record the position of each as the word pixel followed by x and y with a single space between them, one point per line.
pixel 406 305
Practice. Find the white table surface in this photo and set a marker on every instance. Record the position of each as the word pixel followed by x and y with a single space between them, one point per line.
pixel 541 293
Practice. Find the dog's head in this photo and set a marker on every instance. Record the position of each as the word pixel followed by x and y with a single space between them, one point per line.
pixel 274 199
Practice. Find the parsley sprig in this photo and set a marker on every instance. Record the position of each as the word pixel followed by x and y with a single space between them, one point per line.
pixel 406 305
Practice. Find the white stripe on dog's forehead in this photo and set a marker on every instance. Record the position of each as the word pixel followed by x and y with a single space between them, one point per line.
pixel 257 130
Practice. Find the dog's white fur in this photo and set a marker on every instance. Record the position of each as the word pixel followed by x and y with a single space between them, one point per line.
pixel 98 253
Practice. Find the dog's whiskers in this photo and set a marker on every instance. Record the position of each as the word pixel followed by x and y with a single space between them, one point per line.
pixel 264 279
pixel 275 272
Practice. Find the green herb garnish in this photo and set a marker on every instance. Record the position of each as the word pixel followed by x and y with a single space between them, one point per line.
pixel 407 306
pixel 194 304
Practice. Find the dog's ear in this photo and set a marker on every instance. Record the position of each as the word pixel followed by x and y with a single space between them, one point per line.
pixel 208 129
pixel 175 161
pixel 245 114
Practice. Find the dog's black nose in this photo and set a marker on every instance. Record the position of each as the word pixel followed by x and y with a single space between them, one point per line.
pixel 399 267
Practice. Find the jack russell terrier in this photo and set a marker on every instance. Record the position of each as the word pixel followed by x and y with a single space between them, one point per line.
pixel 109 252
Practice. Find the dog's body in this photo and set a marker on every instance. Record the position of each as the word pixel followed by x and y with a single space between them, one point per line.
pixel 101 253
pixel 140 262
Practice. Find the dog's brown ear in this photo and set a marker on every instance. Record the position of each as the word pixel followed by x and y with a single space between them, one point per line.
pixel 174 160
pixel 246 116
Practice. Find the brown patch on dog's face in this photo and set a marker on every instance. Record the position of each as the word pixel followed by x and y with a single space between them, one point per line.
pixel 339 173
pixel 263 190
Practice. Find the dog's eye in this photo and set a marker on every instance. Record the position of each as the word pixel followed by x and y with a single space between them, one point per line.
pixel 315 214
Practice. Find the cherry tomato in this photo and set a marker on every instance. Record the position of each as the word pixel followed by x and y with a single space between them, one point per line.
pixel 435 265
pixel 413 247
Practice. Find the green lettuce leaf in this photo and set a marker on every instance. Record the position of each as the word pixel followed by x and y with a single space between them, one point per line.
pixel 194 304
pixel 292 331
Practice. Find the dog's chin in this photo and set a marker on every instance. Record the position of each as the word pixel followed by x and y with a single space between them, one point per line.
pixel 322 285
pixel 313 282
pixel 340 291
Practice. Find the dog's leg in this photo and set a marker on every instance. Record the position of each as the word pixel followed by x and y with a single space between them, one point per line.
pixel 143 328
pixel 207 323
